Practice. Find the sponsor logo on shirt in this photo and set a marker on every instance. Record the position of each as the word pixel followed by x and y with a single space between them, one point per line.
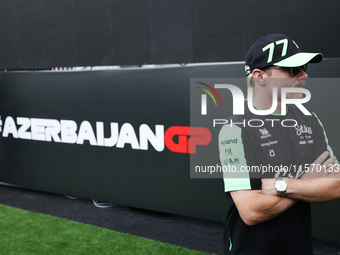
pixel 303 129
pixel 230 141
pixel 304 132
pixel 228 151
pixel 232 161
pixel 270 143
pixel 264 133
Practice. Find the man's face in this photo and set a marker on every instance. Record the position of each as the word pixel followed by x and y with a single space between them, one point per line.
pixel 281 77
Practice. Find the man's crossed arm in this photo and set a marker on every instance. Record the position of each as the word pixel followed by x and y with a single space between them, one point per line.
pixel 256 206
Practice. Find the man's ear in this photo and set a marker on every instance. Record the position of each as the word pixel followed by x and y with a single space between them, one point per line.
pixel 258 76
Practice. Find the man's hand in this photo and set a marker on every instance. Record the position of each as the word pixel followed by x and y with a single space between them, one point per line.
pixel 321 167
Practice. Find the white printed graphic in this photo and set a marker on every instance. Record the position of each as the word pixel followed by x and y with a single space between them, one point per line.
pixel 66 131
pixel 238 100
pixel 264 133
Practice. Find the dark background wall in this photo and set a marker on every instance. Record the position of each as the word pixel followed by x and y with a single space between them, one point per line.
pixel 54 33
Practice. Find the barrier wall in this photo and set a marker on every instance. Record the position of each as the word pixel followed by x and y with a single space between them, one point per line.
pixel 105 135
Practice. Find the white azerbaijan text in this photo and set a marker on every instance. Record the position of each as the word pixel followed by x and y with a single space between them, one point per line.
pixel 66 131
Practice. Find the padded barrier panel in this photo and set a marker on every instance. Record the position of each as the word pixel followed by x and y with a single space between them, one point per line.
pixel 100 135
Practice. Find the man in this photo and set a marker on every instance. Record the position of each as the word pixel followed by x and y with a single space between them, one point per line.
pixel 271 191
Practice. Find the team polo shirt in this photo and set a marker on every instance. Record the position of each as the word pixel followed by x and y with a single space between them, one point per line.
pixel 252 147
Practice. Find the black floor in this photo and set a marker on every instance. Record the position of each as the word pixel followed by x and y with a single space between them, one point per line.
pixel 195 234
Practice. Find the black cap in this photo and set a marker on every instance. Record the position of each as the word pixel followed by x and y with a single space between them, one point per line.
pixel 277 50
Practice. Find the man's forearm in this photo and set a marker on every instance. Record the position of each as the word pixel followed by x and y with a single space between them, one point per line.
pixel 313 186
pixel 254 207
pixel 316 190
